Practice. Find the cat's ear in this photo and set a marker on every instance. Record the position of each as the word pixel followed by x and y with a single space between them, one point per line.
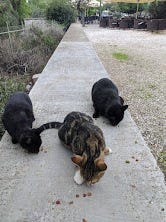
pixel 124 107
pixel 101 165
pixel 78 160
pixel 121 100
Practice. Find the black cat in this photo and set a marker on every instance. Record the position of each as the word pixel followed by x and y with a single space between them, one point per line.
pixel 107 102
pixel 18 118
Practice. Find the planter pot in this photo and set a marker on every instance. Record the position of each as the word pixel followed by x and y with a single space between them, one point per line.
pixel 153 24
pixel 124 24
pixel 162 24
pixel 104 22
pixel 140 24
pixel 113 23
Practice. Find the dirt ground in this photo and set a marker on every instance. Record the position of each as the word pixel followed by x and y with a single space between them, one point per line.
pixel 141 78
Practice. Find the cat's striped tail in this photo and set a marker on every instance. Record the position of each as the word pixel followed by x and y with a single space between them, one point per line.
pixel 50 125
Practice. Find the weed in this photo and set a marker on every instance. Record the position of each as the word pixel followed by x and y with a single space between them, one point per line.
pixel 153 86
pixel 31 51
pixel 120 56
pixel 162 161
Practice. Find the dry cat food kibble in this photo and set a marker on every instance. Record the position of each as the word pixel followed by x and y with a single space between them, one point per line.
pixel 58 202
pixel 77 195
pixel 71 202
pixel 84 195
pixel 83 220
pixel 89 194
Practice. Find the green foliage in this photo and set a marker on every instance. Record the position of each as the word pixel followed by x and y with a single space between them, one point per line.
pixel 158 10
pixel 48 40
pixel 120 56
pixel 13 12
pixel 61 11
pixel 21 8
pixel 7 14
pixel 41 39
pixel 38 7
pixel 130 7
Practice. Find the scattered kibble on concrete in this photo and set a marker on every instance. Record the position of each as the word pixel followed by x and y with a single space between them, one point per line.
pixel 89 194
pixel 83 220
pixel 58 202
pixel 84 195
pixel 71 202
pixel 77 195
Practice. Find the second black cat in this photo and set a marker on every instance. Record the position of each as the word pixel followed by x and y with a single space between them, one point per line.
pixel 18 118
pixel 107 102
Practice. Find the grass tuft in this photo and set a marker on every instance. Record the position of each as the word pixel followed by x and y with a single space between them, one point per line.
pixel 162 161
pixel 120 56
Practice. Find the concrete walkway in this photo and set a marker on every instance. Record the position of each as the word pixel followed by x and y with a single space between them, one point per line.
pixel 132 191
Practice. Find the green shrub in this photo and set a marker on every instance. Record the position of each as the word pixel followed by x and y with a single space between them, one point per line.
pixel 61 11
pixel 48 40
pixel 158 10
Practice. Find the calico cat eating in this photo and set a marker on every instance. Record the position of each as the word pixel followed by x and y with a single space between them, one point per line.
pixel 18 118
pixel 107 102
pixel 86 141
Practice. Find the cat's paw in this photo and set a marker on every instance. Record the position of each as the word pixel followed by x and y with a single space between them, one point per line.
pixel 107 151
pixel 96 115
pixel 78 178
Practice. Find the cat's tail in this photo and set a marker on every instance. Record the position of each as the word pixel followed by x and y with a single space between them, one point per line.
pixel 50 125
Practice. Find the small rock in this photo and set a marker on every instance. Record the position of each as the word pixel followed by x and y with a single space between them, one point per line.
pixel 127 161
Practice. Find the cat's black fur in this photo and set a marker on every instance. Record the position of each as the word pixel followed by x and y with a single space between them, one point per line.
pixel 107 102
pixel 18 118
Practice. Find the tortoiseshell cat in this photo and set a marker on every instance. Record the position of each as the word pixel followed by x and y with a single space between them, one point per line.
pixel 87 143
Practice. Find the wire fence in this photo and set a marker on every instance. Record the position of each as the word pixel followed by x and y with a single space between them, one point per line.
pixel 11 29
pixel 7 32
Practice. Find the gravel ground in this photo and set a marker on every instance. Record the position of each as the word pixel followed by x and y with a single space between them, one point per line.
pixel 141 78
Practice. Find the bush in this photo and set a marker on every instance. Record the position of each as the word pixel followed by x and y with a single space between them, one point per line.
pixel 30 52
pixel 7 14
pixel 61 11
pixel 158 10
